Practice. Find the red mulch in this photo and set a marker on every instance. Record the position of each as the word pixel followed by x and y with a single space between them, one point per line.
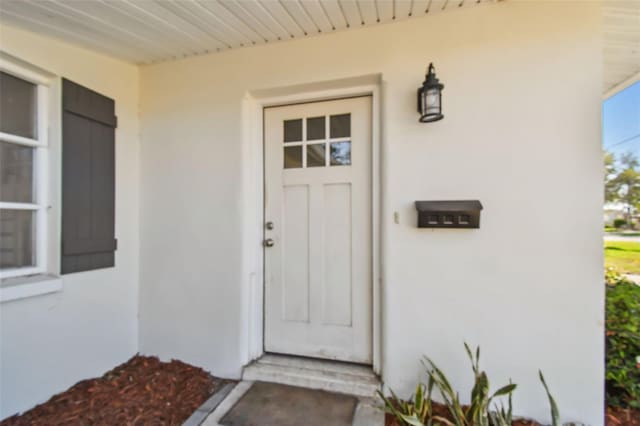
pixel 622 417
pixel 615 417
pixel 142 391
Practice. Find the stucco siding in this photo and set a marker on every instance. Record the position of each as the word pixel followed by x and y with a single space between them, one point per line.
pixel 521 133
pixel 48 343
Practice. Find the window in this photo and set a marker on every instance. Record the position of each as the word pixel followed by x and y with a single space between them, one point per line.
pixel 23 170
pixel 310 136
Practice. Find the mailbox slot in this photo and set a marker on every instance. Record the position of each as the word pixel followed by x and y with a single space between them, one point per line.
pixel 449 214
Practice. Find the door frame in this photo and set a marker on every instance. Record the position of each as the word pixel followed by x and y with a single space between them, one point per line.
pixel 252 205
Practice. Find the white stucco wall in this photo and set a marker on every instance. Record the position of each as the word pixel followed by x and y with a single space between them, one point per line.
pixel 521 133
pixel 48 343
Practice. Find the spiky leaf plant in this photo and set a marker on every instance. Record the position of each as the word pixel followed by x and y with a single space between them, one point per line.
pixel 555 413
pixel 416 411
pixel 477 413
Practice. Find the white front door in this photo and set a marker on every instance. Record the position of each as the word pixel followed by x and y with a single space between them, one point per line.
pixel 318 279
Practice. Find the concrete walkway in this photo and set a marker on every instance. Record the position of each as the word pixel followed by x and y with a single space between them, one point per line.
pixel 270 404
pixel 633 277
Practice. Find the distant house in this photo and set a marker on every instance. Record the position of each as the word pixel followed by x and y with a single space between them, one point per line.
pixel 613 211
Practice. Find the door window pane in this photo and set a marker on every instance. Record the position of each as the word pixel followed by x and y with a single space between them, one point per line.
pixel 315 128
pixel 17 106
pixel 293 157
pixel 341 153
pixel 16 173
pixel 17 228
pixel 340 126
pixel 293 130
pixel 316 155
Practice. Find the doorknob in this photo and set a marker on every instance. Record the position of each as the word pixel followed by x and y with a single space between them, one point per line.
pixel 269 242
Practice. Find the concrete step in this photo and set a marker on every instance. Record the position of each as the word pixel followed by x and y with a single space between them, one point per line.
pixel 331 376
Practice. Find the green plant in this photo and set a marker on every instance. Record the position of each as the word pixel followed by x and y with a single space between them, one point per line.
pixel 622 342
pixel 612 276
pixel 502 416
pixel 619 223
pixel 555 413
pixel 477 413
pixel 416 411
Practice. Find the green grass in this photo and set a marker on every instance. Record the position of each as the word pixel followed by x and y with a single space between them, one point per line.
pixel 622 255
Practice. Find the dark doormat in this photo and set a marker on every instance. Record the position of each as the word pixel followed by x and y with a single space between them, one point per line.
pixel 270 404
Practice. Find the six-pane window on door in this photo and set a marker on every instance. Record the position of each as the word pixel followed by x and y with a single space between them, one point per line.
pixel 23 162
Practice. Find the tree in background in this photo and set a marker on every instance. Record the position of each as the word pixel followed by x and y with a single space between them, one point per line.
pixel 610 193
pixel 622 182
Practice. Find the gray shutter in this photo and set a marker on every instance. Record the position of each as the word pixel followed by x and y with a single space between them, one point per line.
pixel 88 179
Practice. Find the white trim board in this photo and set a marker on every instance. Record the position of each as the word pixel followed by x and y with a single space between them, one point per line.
pixel 252 329
pixel 621 86
pixel 41 158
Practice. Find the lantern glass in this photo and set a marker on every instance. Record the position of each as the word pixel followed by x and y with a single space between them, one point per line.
pixel 432 102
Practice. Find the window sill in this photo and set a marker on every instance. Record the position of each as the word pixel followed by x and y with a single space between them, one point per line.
pixel 30 286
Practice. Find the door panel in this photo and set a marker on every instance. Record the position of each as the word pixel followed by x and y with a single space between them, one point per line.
pixel 318 289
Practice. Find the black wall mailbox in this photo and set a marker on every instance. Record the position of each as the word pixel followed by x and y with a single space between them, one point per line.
pixel 449 214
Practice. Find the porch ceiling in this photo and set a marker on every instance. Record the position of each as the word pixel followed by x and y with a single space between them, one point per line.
pixel 148 31
pixel 621 41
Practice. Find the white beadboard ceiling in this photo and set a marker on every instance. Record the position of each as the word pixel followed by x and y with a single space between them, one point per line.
pixel 150 31
pixel 621 41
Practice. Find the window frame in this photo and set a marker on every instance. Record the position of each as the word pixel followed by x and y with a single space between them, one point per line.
pixel 40 169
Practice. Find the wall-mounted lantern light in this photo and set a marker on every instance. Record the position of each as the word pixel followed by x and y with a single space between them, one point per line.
pixel 430 97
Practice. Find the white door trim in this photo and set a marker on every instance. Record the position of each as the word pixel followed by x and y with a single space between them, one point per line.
pixel 252 207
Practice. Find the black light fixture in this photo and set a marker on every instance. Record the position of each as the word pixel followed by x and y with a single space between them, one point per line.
pixel 430 97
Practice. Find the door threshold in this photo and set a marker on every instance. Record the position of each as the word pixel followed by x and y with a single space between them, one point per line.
pixel 332 376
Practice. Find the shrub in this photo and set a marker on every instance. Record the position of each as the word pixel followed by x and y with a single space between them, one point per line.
pixel 619 223
pixel 622 342
pixel 612 276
